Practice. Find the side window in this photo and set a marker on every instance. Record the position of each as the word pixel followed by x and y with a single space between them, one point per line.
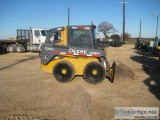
pixel 55 36
pixel 36 33
pixel 44 32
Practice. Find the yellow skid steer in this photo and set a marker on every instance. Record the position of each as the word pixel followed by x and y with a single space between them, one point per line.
pixel 72 50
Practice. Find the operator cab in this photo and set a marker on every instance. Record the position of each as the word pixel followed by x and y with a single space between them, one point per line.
pixel 76 36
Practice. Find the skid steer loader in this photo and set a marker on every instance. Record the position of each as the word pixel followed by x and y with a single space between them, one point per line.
pixel 72 50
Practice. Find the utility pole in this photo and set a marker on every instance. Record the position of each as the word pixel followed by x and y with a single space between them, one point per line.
pixel 157 26
pixel 157 23
pixel 68 16
pixel 140 29
pixel 124 2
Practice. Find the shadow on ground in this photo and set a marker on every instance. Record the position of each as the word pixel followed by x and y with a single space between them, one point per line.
pixel 152 67
pixel 19 61
pixel 3 51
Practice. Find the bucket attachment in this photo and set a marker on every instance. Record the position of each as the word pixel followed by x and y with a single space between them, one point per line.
pixel 111 72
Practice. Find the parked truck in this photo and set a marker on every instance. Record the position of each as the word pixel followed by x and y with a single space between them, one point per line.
pixel 144 44
pixel 156 47
pixel 26 40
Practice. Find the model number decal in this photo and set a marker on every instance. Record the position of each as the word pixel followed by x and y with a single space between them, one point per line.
pixel 78 51
pixel 95 53
pixel 47 48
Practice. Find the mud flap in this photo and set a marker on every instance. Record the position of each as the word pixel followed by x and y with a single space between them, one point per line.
pixel 111 72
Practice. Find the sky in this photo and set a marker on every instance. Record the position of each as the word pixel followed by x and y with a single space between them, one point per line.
pixel 22 14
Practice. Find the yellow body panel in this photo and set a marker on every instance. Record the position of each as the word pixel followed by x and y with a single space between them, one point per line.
pixel 78 63
pixel 63 37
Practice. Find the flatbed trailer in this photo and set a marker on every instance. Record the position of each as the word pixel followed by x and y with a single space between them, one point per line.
pixel 115 43
pixel 26 40
pixel 4 44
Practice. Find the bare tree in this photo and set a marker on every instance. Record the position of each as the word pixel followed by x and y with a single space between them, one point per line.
pixel 106 28
pixel 126 35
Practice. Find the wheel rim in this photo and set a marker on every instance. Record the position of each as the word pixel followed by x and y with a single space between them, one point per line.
pixel 18 49
pixel 62 72
pixel 11 49
pixel 94 73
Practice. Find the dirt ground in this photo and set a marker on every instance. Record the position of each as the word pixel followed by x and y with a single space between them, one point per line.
pixel 27 92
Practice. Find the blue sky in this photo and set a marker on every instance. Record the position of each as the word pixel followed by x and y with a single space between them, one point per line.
pixel 21 14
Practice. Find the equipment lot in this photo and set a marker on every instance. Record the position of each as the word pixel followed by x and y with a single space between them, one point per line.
pixel 26 91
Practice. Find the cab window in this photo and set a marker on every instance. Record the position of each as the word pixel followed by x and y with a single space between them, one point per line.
pixel 44 32
pixel 80 38
pixel 36 33
pixel 55 36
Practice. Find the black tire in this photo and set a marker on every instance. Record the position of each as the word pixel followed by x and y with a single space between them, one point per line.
pixel 20 48
pixel 11 48
pixel 159 55
pixel 94 73
pixel 64 71
pixel 40 54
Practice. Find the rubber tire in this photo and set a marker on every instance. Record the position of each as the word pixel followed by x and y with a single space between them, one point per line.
pixel 57 71
pixel 159 55
pixel 90 77
pixel 11 48
pixel 20 48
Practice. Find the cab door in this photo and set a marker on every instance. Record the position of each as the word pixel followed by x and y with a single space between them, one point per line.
pixel 36 37
pixel 43 34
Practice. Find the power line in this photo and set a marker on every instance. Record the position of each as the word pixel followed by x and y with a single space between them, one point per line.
pixel 148 21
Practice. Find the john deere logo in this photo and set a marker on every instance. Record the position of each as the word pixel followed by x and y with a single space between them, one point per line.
pixel 78 51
